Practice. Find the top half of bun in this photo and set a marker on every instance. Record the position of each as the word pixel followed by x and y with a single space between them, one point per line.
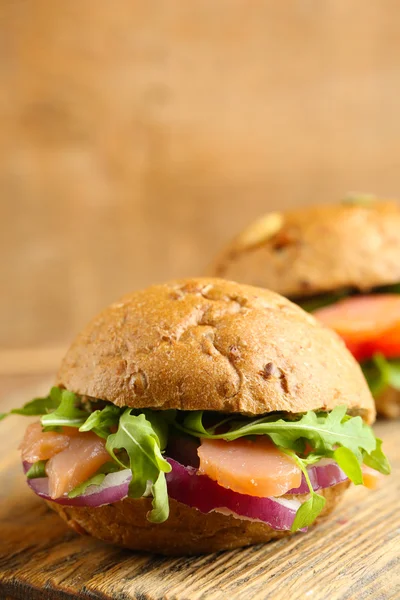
pixel 211 344
pixel 355 244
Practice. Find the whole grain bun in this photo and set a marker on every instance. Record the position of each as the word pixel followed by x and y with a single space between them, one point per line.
pixel 211 344
pixel 186 531
pixel 355 244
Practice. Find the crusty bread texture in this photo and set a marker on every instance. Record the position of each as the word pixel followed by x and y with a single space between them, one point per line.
pixel 211 344
pixel 186 531
pixel 310 250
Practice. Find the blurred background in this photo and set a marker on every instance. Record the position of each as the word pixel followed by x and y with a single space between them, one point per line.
pixel 137 137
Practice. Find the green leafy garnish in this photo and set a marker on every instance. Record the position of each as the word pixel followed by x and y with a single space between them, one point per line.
pixel 38 469
pixel 159 425
pixel 101 421
pixel 81 489
pixel 349 463
pixel 139 439
pixel 311 508
pixel 66 414
pixel 324 431
pixel 381 373
pixel 308 512
pixel 377 459
pixel 393 288
pixel 334 435
pixel 38 406
pixel 96 479
pixel 160 502
pixel 135 440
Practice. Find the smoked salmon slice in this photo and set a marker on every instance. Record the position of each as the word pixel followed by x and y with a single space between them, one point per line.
pixel 85 454
pixel 73 457
pixel 40 445
pixel 254 467
pixel 367 324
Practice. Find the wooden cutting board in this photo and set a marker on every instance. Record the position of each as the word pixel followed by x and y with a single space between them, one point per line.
pixel 355 554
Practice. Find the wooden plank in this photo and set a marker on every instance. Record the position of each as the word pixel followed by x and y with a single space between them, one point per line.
pixel 356 554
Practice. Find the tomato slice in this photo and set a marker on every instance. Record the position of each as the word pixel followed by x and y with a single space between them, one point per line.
pixel 367 324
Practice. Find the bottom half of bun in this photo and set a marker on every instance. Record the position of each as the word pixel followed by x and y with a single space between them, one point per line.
pixel 186 531
pixel 388 403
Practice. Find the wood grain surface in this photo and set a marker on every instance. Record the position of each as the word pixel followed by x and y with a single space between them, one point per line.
pixel 354 555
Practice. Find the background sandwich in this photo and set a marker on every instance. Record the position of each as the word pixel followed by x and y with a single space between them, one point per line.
pixel 342 263
pixel 201 415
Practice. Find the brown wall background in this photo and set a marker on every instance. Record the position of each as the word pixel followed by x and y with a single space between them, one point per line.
pixel 136 137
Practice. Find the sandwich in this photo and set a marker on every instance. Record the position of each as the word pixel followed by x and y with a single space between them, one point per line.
pixel 201 415
pixel 342 263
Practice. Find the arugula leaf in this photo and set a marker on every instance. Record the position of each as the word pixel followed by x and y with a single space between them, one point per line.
pixel 96 479
pixel 392 288
pixel 348 462
pixel 139 439
pixel 311 508
pixel 101 421
pixel 82 487
pixel 375 376
pixel 67 414
pixel 159 425
pixel 381 373
pixel 38 406
pixel 308 512
pixel 38 469
pixel 193 421
pixel 377 460
pixel 141 436
pixel 337 435
pixel 324 431
pixel 160 502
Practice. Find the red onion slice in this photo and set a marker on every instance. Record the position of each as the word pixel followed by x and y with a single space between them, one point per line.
pixel 113 488
pixel 199 491
pixel 184 485
pixel 325 473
